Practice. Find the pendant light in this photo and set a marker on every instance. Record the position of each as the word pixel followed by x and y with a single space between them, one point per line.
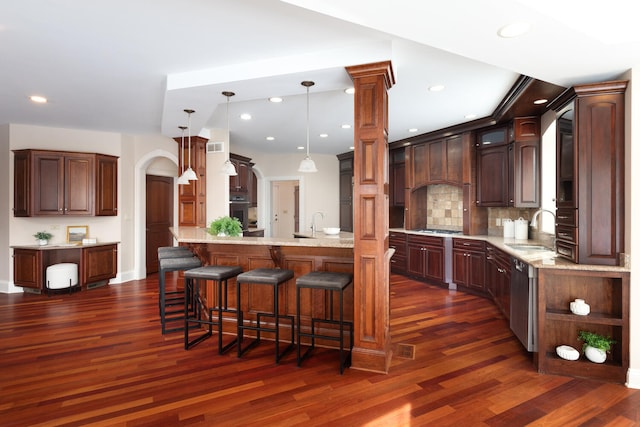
pixel 228 168
pixel 307 165
pixel 189 173
pixel 182 180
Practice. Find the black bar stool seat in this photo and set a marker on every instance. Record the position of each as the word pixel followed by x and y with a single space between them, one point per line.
pixel 264 276
pixel 195 306
pixel 328 281
pixel 166 265
pixel 174 252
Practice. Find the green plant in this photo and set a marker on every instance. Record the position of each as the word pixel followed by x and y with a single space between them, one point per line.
pixel 227 225
pixel 43 235
pixel 595 340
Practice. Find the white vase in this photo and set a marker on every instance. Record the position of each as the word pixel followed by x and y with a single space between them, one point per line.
pixel 42 242
pixel 595 354
pixel 222 234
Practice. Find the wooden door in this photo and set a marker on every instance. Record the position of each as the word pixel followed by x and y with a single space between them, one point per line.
pixel 159 218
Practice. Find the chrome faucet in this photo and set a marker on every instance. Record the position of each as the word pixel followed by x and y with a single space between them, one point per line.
pixel 313 221
pixel 534 218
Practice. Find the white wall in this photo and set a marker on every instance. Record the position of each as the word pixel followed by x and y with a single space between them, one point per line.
pixel 6 204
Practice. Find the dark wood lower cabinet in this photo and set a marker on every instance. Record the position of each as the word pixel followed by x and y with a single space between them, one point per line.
pixel 498 278
pixel 96 263
pixel 398 241
pixel 426 257
pixel 469 264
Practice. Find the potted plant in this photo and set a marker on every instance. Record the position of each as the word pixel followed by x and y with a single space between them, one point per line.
pixel 226 226
pixel 595 346
pixel 43 237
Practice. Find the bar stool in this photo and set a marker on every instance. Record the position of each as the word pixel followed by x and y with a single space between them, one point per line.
pixel 166 265
pixel 173 297
pixel 195 306
pixel 328 281
pixel 264 276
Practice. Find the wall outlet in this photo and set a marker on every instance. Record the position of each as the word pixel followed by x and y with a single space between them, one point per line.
pixel 498 222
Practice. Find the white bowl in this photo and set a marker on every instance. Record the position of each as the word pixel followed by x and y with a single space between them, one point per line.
pixel 331 230
pixel 567 352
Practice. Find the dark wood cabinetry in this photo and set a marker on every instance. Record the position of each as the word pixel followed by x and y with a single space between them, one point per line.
pixel 426 257
pixel 345 166
pixel 242 182
pixel 590 173
pixel 96 263
pixel 498 278
pixel 192 197
pixel 437 162
pixel 397 171
pixel 469 264
pixel 398 241
pixel 508 164
pixel 607 293
pixel 51 183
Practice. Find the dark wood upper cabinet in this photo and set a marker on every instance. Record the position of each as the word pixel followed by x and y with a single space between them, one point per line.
pixel 493 175
pixel 345 167
pixel 192 197
pixel 526 163
pixel 397 171
pixel 590 173
pixel 48 183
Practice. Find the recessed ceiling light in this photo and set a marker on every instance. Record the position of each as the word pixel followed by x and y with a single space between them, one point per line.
pixel 352 148
pixel 350 90
pixel 324 135
pixel 413 130
pixel 515 29
pixel 471 116
pixel 540 101
pixel 38 99
pixel 275 99
pixel 346 126
pixel 245 116
pixel 436 88
pixel 270 138
pixel 300 148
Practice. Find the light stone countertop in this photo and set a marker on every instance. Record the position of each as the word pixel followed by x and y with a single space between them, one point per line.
pixel 200 235
pixel 541 259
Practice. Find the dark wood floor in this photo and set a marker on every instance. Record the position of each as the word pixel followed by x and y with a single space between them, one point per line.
pixel 97 358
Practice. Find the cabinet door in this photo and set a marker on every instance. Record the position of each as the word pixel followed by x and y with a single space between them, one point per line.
pixel 48 184
pixel 436 162
pixel 27 268
pixel 419 161
pixel 565 162
pixel 527 174
pixel 79 184
pixel 416 260
pixel 435 263
pixel 475 268
pixel 106 185
pixel 454 159
pixel 99 263
pixel 460 266
pixel 22 184
pixel 493 176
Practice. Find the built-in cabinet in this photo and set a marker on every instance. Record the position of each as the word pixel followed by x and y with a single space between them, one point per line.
pixel 508 164
pixel 96 263
pixel 590 173
pixel 345 166
pixel 498 278
pixel 436 162
pixel 397 171
pixel 243 181
pixel 468 264
pixel 607 293
pixel 53 183
pixel 398 242
pixel 426 257
pixel 192 197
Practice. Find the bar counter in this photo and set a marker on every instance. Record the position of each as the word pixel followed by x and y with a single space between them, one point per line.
pixel 301 255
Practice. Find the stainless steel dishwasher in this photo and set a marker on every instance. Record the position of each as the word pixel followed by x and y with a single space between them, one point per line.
pixel 523 318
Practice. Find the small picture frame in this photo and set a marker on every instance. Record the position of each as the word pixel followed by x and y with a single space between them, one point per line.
pixel 76 233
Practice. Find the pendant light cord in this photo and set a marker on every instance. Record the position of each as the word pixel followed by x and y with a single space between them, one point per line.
pixel 307 121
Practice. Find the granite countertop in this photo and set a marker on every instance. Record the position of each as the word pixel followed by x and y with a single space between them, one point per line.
pixel 52 246
pixel 200 235
pixel 538 259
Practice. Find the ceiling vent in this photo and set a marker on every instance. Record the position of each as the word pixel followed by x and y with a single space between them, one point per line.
pixel 215 147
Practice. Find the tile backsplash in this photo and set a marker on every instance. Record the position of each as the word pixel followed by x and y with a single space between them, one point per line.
pixel 444 207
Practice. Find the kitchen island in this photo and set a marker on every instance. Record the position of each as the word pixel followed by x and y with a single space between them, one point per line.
pixel 301 255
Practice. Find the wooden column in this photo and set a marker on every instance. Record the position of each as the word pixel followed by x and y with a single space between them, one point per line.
pixel 372 341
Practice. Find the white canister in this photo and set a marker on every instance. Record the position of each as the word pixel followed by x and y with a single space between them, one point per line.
pixel 509 228
pixel 521 229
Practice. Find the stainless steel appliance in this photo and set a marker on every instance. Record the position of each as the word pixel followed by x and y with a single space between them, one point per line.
pixel 523 318
pixel 239 208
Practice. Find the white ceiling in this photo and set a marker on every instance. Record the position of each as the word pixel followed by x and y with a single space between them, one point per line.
pixel 132 66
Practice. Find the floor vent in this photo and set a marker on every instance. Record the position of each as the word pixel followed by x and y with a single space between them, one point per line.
pixel 405 351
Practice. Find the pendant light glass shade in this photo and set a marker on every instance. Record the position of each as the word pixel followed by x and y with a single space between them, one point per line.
pixel 307 165
pixel 182 179
pixel 228 168
pixel 189 173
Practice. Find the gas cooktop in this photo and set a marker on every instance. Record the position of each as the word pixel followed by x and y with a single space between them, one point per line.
pixel 437 231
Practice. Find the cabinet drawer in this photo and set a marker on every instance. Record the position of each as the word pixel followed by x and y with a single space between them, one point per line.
pixel 568 234
pixel 565 216
pixel 425 240
pixel 567 250
pixel 469 244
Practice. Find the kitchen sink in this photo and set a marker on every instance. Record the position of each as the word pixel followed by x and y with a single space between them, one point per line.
pixel 528 248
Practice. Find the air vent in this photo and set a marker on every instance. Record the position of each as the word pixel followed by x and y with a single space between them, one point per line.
pixel 215 147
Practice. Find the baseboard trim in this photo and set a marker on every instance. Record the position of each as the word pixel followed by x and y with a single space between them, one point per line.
pixel 633 378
